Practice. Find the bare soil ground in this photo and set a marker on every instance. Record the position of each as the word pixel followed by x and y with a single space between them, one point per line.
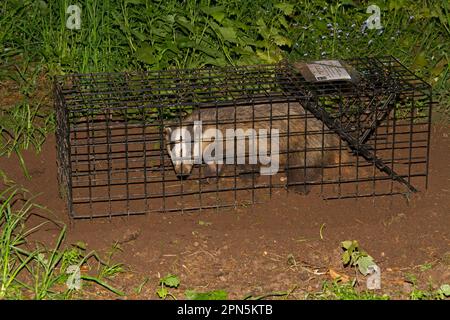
pixel 288 243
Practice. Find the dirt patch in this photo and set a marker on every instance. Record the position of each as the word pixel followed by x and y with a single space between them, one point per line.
pixel 275 246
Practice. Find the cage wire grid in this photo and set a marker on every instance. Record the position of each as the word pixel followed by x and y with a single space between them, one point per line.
pixel 341 139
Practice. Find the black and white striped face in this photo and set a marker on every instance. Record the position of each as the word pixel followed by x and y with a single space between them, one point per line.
pixel 179 147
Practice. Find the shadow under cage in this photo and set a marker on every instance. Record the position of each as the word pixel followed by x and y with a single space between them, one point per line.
pixel 194 139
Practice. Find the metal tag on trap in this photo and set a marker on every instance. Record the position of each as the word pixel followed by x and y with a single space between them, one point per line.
pixel 324 70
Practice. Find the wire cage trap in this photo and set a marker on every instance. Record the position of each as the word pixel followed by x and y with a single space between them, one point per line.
pixel 194 139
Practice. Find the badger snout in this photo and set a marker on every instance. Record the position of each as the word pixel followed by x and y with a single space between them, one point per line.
pixel 183 176
pixel 183 171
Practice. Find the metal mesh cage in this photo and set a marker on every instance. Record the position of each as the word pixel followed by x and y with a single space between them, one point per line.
pixel 119 152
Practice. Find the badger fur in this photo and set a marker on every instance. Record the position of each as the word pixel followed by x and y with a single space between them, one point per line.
pixel 306 145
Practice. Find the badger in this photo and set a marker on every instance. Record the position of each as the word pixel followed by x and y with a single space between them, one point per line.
pixel 304 144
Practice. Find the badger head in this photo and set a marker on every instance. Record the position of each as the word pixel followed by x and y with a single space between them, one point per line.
pixel 179 146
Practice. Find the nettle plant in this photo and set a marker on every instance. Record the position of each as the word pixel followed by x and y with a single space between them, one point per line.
pixel 147 34
pixel 201 33
pixel 353 256
pixel 107 35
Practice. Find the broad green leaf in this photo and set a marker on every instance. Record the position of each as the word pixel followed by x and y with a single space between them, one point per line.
pixel 445 289
pixel 346 257
pixel 287 8
pixel 236 24
pixel 228 33
pixel 420 60
pixel 275 31
pixel 182 21
pixel 396 5
pixel 364 263
pixel 247 41
pixel 262 44
pixel 262 55
pixel 346 244
pixel 260 22
pixel 248 60
pixel 43 7
pixel 247 50
pixel 170 18
pixel 218 13
pixel 264 32
pixel 271 55
pixel 212 52
pixel 218 62
pixel 162 292
pixel 184 42
pixel 170 280
pixel 439 67
pixel 211 295
pixel 146 54
pixel 142 37
pixel 283 22
pixel 170 46
pixel 282 41
pixel 159 32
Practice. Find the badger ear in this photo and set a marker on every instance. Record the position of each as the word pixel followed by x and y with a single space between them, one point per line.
pixel 167 132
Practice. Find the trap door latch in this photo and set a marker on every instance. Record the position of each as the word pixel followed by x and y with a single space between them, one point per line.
pixel 357 146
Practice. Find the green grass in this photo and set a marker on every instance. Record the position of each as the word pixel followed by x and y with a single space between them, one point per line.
pixel 128 35
pixel 29 270
pixel 343 291
pixel 143 34
pixel 23 126
pixel 429 292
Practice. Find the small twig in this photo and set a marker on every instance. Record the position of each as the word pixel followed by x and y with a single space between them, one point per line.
pixel 321 229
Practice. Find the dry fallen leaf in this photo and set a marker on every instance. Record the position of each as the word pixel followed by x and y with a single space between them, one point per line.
pixel 336 276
